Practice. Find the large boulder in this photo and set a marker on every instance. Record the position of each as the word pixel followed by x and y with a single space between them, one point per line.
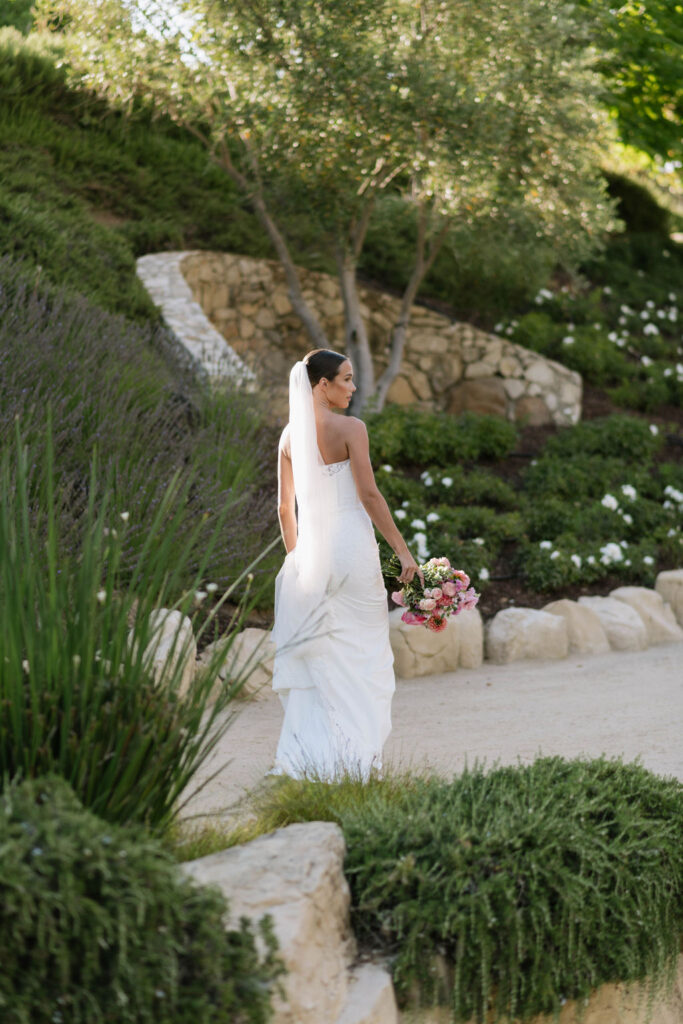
pixel 171 650
pixel 585 632
pixel 669 585
pixel 296 875
pixel 658 618
pixel 518 633
pixel 471 634
pixel 420 652
pixel 252 654
pixel 623 625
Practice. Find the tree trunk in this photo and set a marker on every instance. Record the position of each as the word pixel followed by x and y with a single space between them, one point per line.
pixel 355 332
pixel 421 267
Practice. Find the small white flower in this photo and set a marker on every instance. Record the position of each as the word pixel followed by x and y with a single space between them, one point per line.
pixel 101 596
pixel 199 596
pixel 644 315
pixel 498 328
pixel 387 469
pixel 484 574
pixel 447 481
pixel 420 542
pixel 433 517
pixel 654 429
pixel 554 555
pixel 404 504
pixel 545 544
pixel 125 516
pixel 646 361
pixel 650 304
pixel 591 560
pixel 627 563
pixel 609 501
pixel 400 513
pixel 26 667
pixel 650 329
pixel 478 540
pixel 607 290
pixel 629 492
pixel 212 588
pixel 648 560
pixel 610 552
pixel 671 533
pixel 576 559
pixel 427 479
pixel 667 505
pixel 628 519
pixel 624 543
pixel 623 320
pixel 76 660
pixel 418 524
pixel 568 340
pixel 612 336
pixel 672 492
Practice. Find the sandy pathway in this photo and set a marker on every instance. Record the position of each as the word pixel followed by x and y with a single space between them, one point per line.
pixel 617 704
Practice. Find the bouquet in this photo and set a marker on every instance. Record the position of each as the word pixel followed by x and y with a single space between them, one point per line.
pixel 446 592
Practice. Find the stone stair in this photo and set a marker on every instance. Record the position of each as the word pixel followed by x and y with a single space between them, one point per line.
pixel 296 875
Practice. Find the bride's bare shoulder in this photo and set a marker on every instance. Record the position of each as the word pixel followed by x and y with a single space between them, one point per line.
pixel 284 445
pixel 354 429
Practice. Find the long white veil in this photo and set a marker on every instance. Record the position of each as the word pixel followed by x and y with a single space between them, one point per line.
pixel 303 583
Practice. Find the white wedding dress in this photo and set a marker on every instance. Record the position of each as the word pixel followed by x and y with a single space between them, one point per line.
pixel 333 663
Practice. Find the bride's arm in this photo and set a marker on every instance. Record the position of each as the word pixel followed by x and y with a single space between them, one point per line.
pixel 373 500
pixel 286 508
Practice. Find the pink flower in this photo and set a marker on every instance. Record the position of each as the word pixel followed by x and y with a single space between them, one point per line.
pixel 469 600
pixel 436 624
pixel 449 588
pixel 398 598
pixel 462 576
pixel 437 593
pixel 427 604
pixel 411 619
pixel 445 602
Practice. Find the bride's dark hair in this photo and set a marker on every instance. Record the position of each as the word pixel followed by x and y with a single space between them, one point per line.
pixel 323 362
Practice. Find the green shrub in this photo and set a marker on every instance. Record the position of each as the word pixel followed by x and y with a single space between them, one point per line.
pixel 509 891
pixel 120 389
pixel 618 436
pixel 403 435
pixel 98 925
pixel 78 696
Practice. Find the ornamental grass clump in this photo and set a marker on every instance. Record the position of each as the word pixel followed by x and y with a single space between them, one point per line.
pixel 97 924
pixel 79 694
pixel 504 893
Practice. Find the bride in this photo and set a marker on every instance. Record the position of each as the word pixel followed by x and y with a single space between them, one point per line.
pixel 333 662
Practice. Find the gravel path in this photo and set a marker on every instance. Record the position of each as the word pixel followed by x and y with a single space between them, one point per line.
pixel 617 704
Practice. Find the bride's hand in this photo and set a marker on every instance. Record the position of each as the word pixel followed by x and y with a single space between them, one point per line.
pixel 409 568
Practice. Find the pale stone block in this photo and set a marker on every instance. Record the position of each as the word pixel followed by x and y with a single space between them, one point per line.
pixel 252 652
pixel 471 636
pixel 296 875
pixel 585 632
pixel 401 392
pixel 515 634
pixel 623 625
pixel 478 369
pixel 265 319
pixel 485 395
pixel 171 650
pixel 420 384
pixel 280 303
pixel 659 619
pixel 669 585
pixel 513 388
pixel 420 652
pixel 540 373
pixel 371 998
pixel 247 329
pixel 510 367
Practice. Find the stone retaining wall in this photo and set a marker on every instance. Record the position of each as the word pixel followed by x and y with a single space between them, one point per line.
pixel 447 366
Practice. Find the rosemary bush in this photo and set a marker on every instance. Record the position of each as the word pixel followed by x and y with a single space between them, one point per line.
pixel 505 892
pixel 77 692
pixel 98 925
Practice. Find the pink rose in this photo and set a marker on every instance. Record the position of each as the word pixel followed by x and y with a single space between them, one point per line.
pixel 411 619
pixel 427 604
pixel 437 593
pixel 462 576
pixel 436 624
pixel 449 588
pixel 445 602
pixel 398 598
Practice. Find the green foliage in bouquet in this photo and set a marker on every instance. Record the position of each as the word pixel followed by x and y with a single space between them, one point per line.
pixel 98 925
pixel 503 893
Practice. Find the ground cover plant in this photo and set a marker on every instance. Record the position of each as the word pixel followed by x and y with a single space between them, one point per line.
pixel 98 925
pixel 510 890
pixel 600 503
pixel 121 390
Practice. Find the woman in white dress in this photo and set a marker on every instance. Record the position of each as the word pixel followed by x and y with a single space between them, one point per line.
pixel 333 663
